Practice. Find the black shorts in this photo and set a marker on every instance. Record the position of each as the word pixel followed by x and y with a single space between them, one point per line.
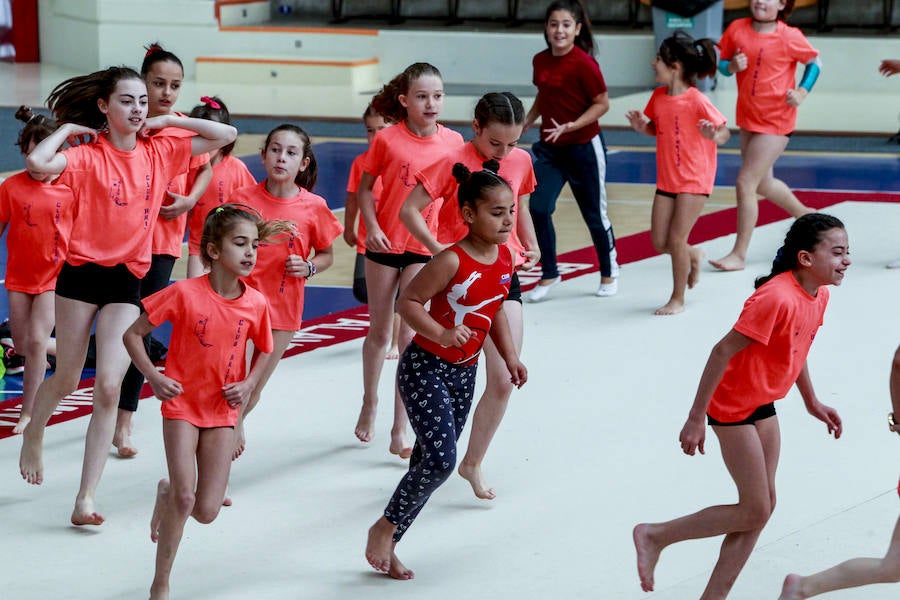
pixel 673 195
pixel 397 261
pixel 515 289
pixel 99 285
pixel 763 412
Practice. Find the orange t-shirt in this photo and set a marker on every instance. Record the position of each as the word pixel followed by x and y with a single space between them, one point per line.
pixel 438 181
pixel 208 346
pixel 396 154
pixel 39 218
pixel 782 320
pixel 317 227
pixel 228 175
pixel 117 198
pixel 471 298
pixel 685 160
pixel 168 234
pixel 772 60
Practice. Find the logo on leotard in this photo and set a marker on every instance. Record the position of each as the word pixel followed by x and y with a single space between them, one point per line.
pixel 200 331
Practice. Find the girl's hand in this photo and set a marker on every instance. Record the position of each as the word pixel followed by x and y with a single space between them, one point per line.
pixel 829 416
pixel 554 133
pixel 693 436
pixel 455 337
pixel 165 388
pixel 518 373
pixel 796 97
pixel 237 393
pixel 636 120
pixel 889 67
pixel 738 62
pixel 79 134
pixel 177 206
pixel 707 128
pixel 154 124
pixel 376 241
pixel 295 266
pixel 531 259
pixel 350 236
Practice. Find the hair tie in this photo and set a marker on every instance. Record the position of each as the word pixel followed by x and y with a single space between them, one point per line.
pixel 219 210
pixel 210 103
pixel 153 49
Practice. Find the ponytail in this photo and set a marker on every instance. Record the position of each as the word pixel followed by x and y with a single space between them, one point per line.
pixel 696 57
pixel 37 128
pixel 387 101
pixel 75 99
pixel 474 186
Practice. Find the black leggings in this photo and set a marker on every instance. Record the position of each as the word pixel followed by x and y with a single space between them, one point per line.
pixel 437 396
pixel 157 278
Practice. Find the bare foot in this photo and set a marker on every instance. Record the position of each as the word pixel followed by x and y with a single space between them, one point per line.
pixel 24 420
pixel 84 513
pixel 393 353
pixel 159 591
pixel 397 570
pixel 380 545
pixel 474 477
pixel 697 256
pixel 31 465
pixel 731 262
pixel 673 307
pixel 791 590
pixel 399 446
pixel 122 442
pixel 647 555
pixel 162 492
pixel 240 441
pixel 365 425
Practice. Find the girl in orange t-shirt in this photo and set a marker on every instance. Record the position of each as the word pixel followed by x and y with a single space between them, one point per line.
pixel 764 52
pixel 355 228
pixel 687 128
pixel 755 364
pixel 413 100
pixel 464 287
pixel 498 122
pixel 229 173
pixel 283 269
pixel 163 73
pixel 39 218
pixel 206 378
pixel 118 178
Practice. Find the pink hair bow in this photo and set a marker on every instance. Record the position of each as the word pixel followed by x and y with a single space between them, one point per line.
pixel 210 102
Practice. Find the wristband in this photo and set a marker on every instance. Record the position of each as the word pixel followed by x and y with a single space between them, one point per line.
pixel 312 269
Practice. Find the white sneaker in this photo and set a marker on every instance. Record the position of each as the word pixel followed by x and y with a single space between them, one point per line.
pixel 894 264
pixel 608 289
pixel 540 291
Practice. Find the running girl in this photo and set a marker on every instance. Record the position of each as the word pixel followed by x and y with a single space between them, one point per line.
pixel 206 379
pixel 571 97
pixel 752 366
pixel 39 218
pixel 764 52
pixel 687 128
pixel 228 174
pixel 498 122
pixel 284 269
pixel 163 73
pixel 118 181
pixel 413 100
pixel 466 286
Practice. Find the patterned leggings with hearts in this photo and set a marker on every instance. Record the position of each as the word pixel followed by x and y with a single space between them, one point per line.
pixel 437 395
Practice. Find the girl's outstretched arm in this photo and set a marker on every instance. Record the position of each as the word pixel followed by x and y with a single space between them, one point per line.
pixel 640 124
pixel 46 157
pixel 164 387
pixel 211 135
pixel 826 414
pixel 717 133
pixel 599 107
pixel 693 434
